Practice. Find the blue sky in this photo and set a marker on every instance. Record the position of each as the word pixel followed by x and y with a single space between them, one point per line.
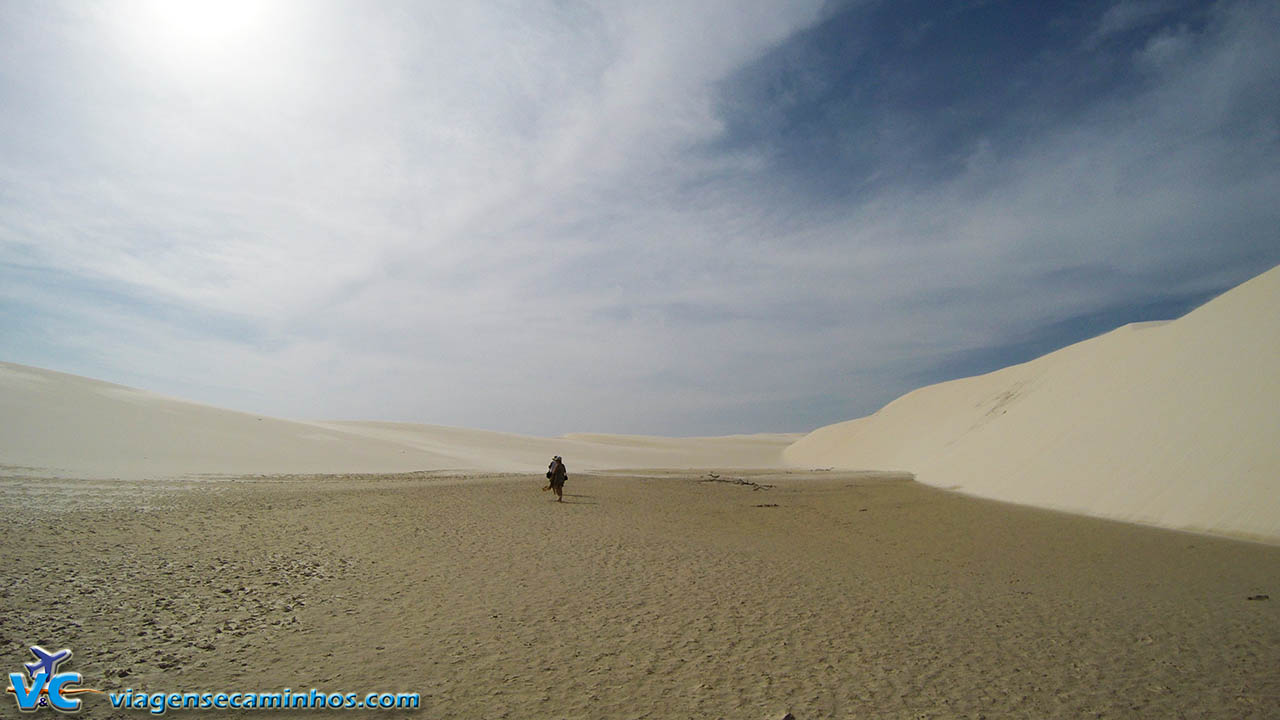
pixel 667 218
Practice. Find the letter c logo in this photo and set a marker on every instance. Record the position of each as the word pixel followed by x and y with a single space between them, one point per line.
pixel 55 691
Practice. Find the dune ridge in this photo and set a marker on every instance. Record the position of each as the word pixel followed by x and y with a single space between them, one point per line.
pixel 56 424
pixel 1174 424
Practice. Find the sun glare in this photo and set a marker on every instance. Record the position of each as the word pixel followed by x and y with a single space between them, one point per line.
pixel 204 43
pixel 192 36
pixel 210 24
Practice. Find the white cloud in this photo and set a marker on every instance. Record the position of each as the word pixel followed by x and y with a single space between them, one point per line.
pixel 1130 14
pixel 467 213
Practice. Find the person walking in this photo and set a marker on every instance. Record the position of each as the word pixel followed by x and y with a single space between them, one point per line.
pixel 556 475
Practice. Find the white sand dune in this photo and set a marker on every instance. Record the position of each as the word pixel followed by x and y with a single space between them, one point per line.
pixel 57 424
pixel 1173 424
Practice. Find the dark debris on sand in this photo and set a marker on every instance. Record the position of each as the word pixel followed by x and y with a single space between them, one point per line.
pixel 713 477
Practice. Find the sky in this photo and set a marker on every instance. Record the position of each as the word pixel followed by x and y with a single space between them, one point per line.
pixel 665 218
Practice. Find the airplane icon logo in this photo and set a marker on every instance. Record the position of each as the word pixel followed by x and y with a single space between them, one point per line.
pixel 47 662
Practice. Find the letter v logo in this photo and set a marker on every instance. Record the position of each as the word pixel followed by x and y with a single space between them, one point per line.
pixel 28 696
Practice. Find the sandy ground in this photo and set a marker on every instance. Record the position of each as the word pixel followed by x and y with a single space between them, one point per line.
pixel 647 594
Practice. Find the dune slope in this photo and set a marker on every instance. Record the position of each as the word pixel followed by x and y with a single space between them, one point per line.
pixel 57 424
pixel 1174 424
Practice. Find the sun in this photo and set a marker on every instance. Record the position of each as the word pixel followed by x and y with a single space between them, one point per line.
pixel 203 43
pixel 205 25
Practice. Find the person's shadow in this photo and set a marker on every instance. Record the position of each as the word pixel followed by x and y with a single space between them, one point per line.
pixel 579 502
